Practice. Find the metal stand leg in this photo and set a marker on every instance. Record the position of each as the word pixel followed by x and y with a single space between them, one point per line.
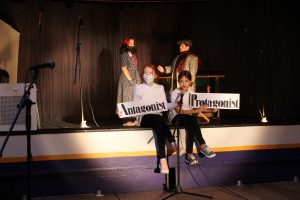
pixel 178 189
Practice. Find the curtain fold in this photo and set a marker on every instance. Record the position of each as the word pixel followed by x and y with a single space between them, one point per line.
pixel 217 28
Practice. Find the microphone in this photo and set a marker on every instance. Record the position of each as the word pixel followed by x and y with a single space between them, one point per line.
pixel 80 19
pixel 181 98
pixel 248 30
pixel 50 64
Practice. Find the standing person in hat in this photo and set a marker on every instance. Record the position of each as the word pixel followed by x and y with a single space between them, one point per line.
pixel 186 60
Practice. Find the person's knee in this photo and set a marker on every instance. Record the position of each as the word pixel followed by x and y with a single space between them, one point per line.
pixel 159 120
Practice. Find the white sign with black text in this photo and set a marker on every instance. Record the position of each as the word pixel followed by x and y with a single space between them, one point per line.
pixel 135 108
pixel 215 100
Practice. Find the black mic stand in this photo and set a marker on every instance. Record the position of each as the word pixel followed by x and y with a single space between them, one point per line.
pixel 178 189
pixel 25 101
pixel 263 54
pixel 78 66
pixel 260 49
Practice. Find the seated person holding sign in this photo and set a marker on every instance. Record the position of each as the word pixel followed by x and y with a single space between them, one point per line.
pixel 152 91
pixel 188 119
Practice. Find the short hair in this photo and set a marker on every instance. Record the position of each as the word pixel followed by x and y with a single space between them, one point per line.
pixel 185 73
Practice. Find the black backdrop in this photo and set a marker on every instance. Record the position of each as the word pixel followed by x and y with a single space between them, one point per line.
pixel 228 36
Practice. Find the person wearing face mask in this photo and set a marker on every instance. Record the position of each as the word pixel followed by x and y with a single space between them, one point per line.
pixel 186 60
pixel 129 76
pixel 151 90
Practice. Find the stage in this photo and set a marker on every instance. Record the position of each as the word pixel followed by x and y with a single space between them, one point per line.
pixel 277 190
pixel 116 159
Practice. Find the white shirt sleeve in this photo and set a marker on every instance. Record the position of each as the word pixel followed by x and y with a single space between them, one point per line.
pixel 175 96
pixel 171 105
pixel 162 92
pixel 137 92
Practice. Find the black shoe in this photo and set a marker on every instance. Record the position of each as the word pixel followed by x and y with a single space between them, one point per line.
pixel 190 159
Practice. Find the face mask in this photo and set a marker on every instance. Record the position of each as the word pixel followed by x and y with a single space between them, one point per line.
pixel 131 49
pixel 148 78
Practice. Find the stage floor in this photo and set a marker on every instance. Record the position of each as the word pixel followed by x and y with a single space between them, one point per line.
pixel 214 122
pixel 276 191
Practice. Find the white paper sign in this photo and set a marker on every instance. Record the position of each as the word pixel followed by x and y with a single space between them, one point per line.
pixel 215 100
pixel 135 108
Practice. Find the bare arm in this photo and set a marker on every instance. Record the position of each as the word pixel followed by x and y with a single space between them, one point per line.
pixel 196 110
pixel 193 68
pixel 125 71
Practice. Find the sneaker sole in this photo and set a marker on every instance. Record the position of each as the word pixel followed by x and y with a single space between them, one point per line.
pixel 164 171
pixel 191 163
pixel 214 155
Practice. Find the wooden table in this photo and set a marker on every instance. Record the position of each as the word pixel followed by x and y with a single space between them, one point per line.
pixel 215 76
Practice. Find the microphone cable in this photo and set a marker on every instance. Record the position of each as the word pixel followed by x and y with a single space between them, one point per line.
pixel 90 104
pixel 220 188
pixel 80 18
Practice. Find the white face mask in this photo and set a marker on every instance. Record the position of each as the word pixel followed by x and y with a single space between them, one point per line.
pixel 148 78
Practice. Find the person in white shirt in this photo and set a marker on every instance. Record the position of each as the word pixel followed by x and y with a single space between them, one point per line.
pixel 151 90
pixel 188 119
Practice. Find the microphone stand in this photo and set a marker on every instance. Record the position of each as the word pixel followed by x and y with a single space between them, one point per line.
pixel 261 51
pixel 78 66
pixel 25 101
pixel 178 189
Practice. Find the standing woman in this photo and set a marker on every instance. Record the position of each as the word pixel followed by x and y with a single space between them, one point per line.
pixel 129 76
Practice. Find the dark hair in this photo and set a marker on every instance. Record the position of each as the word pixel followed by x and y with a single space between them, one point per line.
pixel 185 73
pixel 125 48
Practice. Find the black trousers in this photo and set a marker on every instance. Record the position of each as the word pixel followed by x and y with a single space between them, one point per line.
pixel 127 119
pixel 161 130
pixel 190 123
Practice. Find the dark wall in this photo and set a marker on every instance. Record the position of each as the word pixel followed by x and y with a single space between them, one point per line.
pixel 254 42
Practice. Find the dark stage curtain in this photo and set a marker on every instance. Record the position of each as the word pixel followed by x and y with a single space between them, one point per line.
pixel 254 42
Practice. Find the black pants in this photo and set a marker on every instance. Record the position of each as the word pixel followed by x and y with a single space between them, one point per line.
pixel 161 131
pixel 190 123
pixel 128 119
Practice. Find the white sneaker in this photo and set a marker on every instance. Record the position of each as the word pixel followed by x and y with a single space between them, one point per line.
pixel 181 149
pixel 163 166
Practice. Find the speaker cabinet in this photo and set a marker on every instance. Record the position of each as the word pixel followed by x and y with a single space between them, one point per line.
pixel 10 97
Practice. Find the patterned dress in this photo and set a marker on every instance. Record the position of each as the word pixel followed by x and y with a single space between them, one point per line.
pixel 125 90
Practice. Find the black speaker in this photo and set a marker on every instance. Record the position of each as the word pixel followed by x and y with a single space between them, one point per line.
pixel 170 180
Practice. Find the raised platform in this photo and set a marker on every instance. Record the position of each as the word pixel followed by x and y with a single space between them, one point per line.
pixel 118 159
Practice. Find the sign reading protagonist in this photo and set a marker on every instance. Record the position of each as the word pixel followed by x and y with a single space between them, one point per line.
pixel 215 100
pixel 135 108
